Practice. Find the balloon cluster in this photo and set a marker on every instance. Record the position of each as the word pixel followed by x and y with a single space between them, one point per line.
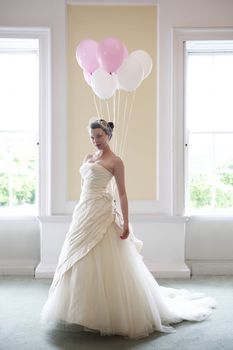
pixel 107 66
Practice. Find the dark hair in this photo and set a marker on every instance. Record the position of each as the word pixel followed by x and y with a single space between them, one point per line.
pixel 107 127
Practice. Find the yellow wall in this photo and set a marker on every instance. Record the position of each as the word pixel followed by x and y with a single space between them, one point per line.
pixel 136 27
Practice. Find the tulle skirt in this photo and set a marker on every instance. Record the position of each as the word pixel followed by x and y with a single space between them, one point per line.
pixel 111 291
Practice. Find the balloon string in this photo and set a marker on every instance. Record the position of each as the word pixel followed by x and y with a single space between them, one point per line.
pixel 118 106
pixel 128 121
pixel 117 134
pixel 118 118
pixel 108 111
pixel 123 126
pixel 96 107
pixel 101 110
pixel 114 120
pixel 113 184
pixel 114 108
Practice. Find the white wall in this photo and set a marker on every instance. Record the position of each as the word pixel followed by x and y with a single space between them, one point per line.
pixel 203 236
pixel 209 245
pixel 209 240
pixel 163 243
pixel 19 246
pixel 19 240
pixel 173 14
pixel 52 14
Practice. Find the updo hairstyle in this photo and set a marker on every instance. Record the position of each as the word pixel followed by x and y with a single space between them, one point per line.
pixel 107 127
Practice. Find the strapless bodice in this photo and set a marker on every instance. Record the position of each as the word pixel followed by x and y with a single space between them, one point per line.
pixel 95 177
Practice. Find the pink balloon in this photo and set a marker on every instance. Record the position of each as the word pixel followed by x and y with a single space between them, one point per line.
pixel 86 55
pixel 110 54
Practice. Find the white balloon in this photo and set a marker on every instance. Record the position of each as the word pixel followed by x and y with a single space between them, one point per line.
pixel 103 84
pixel 87 77
pixel 145 60
pixel 130 74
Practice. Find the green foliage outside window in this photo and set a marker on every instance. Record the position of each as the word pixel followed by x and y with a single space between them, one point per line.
pixel 23 190
pixel 18 170
pixel 200 192
pixel 204 196
pixel 4 190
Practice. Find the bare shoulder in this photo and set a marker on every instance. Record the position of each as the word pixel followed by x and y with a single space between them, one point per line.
pixel 87 158
pixel 118 163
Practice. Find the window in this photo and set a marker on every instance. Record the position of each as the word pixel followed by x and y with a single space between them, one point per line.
pixel 209 126
pixel 19 125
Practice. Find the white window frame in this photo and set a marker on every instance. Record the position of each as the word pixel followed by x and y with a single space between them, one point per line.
pixel 44 181
pixel 180 36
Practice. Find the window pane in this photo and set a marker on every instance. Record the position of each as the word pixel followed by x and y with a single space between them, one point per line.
pixel 209 92
pixel 200 172
pixel 19 91
pixel 224 171
pixel 209 122
pixel 18 170
pixel 19 119
pixel 210 171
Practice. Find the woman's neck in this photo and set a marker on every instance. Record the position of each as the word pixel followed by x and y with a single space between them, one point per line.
pixel 103 152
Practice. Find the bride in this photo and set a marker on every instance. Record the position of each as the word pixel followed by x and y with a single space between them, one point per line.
pixel 101 282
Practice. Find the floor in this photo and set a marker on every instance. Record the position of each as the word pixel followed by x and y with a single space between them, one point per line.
pixel 21 299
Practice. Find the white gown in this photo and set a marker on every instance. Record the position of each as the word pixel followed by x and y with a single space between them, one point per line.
pixel 101 281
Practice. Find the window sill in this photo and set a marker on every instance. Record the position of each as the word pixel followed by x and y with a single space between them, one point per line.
pixel 18 217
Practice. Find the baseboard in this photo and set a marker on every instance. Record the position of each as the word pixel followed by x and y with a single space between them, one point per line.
pixel 168 270
pixel 211 267
pixel 45 271
pixel 158 270
pixel 18 267
pixel 197 267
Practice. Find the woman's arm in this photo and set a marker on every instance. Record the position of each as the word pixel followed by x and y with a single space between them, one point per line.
pixel 120 181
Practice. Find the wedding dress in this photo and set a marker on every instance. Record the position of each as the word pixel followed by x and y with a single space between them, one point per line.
pixel 101 281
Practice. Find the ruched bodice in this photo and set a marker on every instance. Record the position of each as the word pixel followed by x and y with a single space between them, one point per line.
pixel 96 179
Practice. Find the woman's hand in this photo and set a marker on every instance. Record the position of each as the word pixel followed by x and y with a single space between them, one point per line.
pixel 125 232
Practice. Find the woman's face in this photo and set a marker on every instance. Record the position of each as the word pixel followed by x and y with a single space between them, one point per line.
pixel 99 138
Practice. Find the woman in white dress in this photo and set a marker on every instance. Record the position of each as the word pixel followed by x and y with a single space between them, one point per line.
pixel 101 282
